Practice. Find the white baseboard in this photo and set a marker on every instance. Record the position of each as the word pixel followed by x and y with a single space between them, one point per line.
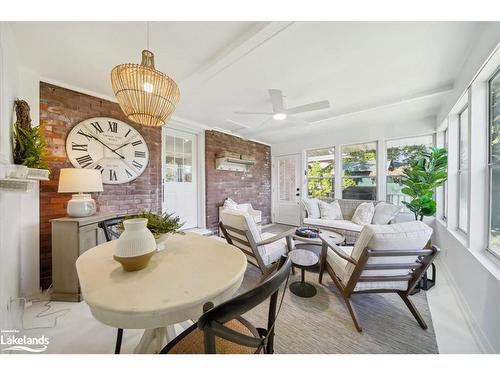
pixel 477 333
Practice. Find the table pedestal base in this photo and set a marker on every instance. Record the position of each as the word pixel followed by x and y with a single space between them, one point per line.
pixel 153 340
pixel 303 289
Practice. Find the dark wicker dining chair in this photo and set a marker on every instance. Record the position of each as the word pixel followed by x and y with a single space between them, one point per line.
pixel 222 330
pixel 109 227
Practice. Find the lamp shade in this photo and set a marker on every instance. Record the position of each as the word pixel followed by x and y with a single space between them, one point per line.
pixel 146 95
pixel 79 180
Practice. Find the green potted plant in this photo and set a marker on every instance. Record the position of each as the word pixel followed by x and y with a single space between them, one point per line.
pixel 29 143
pixel 159 224
pixel 425 173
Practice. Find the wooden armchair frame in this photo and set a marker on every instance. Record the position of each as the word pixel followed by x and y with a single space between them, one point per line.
pixel 254 255
pixel 417 269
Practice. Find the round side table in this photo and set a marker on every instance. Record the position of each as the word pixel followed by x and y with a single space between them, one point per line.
pixel 303 259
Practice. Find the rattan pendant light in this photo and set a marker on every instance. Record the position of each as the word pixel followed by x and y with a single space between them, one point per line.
pixel 146 95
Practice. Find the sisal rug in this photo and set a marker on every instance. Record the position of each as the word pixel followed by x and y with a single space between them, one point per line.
pixel 322 324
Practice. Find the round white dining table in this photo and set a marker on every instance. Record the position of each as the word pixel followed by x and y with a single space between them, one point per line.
pixel 179 280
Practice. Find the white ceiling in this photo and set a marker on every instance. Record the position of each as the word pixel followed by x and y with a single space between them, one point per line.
pixel 396 70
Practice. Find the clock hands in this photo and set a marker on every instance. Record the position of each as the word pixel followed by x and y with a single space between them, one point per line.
pixel 104 144
pixel 123 145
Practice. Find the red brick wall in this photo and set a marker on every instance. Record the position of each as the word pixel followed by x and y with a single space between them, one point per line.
pixel 60 110
pixel 252 187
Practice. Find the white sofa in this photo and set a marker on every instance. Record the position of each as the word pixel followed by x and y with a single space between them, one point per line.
pixel 344 226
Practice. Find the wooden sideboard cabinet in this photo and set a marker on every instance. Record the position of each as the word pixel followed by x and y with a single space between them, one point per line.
pixel 71 237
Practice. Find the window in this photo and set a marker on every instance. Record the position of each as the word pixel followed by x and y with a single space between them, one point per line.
pixel 494 164
pixel 400 153
pixel 321 173
pixel 445 185
pixel 178 159
pixel 463 172
pixel 359 171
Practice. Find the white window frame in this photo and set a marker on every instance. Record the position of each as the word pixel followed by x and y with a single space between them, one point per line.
pixel 444 216
pixel 490 165
pixel 460 169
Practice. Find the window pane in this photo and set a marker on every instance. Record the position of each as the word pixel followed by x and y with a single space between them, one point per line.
pixel 494 242
pixel 494 139
pixel 400 153
pixel 320 173
pixel 462 203
pixel 464 138
pixel 359 169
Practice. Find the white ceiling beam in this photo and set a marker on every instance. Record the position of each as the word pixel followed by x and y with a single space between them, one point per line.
pixel 407 99
pixel 235 51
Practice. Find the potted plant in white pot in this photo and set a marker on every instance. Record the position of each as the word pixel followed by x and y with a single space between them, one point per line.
pixel 28 145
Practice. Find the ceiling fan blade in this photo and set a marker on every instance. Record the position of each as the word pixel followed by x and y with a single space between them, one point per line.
pixel 309 107
pixel 276 100
pixel 252 113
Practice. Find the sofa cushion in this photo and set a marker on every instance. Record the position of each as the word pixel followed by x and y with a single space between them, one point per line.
pixel 330 210
pixel 334 224
pixel 363 214
pixel 312 207
pixel 384 213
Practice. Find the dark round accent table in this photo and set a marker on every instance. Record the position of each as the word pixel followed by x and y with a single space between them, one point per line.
pixel 303 259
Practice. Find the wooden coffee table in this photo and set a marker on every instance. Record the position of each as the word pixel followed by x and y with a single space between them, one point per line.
pixel 314 244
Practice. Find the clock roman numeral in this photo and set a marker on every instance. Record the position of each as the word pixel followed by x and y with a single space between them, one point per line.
pixel 113 127
pixel 128 173
pixel 136 143
pixel 140 154
pixel 127 133
pixel 137 164
pixel 77 147
pixel 97 127
pixel 84 161
pixel 89 138
pixel 99 168
pixel 112 175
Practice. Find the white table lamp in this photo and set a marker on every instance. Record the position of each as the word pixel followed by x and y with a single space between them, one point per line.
pixel 78 180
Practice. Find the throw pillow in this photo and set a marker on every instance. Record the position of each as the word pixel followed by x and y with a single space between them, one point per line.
pixel 330 210
pixel 384 213
pixel 312 207
pixel 230 204
pixel 363 214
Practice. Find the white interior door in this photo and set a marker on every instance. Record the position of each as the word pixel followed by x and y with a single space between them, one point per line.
pixel 287 189
pixel 179 176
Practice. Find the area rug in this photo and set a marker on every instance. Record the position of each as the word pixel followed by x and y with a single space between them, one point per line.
pixel 322 324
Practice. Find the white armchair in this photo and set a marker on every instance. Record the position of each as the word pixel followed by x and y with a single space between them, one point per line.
pixel 262 250
pixel 229 204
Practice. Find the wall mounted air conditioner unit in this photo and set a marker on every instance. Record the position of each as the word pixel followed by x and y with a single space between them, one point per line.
pixel 230 161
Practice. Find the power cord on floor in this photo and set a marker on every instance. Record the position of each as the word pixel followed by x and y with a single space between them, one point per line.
pixel 42 314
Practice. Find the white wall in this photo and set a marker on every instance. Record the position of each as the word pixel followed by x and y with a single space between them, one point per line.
pixel 19 213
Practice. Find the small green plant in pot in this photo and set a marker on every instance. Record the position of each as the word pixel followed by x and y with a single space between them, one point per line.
pixel 425 173
pixel 29 145
pixel 159 224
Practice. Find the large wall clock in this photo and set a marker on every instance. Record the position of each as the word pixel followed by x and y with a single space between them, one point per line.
pixel 109 145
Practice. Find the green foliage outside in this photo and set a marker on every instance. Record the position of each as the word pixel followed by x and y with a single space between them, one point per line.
pixel 158 224
pixel 421 177
pixel 320 180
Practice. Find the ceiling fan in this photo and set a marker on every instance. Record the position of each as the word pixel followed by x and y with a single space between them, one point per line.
pixel 279 110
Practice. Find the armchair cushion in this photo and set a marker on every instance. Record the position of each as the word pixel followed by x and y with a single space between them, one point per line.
pixel 272 252
pixel 404 236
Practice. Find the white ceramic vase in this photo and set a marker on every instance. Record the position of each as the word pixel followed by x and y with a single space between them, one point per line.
pixel 136 245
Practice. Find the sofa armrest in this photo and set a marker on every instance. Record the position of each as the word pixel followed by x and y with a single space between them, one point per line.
pixel 336 249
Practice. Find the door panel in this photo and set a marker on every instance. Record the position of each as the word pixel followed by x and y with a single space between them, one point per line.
pixel 179 176
pixel 287 194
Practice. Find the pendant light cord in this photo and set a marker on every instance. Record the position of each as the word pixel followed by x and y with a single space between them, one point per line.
pixel 147 27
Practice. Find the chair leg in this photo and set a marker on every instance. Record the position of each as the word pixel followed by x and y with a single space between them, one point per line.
pixel 118 345
pixel 413 310
pixel 321 271
pixel 354 316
